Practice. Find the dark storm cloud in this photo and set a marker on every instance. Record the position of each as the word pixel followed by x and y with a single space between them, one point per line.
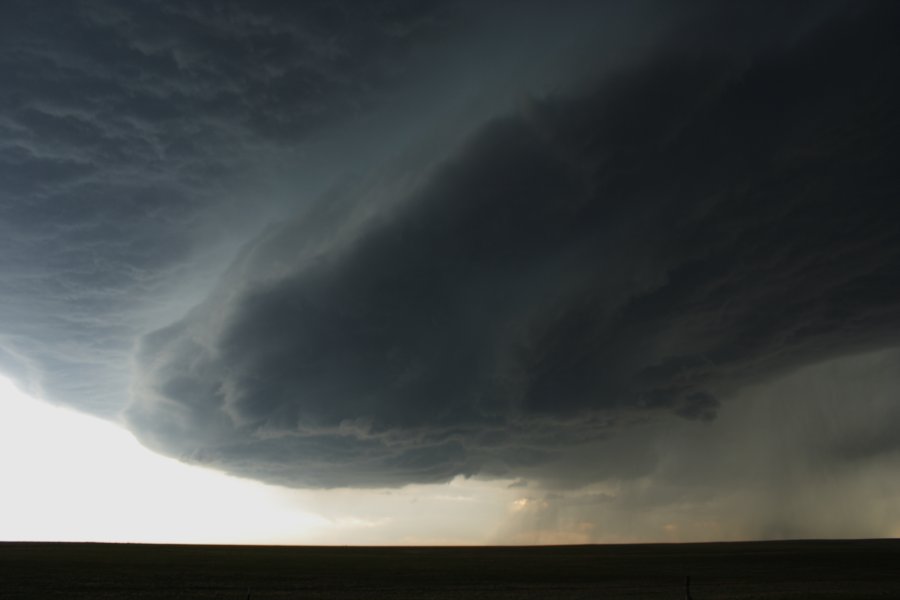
pixel 720 213
pixel 139 140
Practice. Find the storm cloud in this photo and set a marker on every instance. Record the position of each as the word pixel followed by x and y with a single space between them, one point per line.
pixel 633 267
pixel 141 143
pixel 637 246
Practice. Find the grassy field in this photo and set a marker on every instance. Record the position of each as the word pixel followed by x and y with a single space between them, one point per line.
pixel 802 569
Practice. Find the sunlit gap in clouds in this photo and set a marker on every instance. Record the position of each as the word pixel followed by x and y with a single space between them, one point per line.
pixel 66 476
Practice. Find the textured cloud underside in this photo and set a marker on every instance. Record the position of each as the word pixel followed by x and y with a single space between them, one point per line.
pixel 719 213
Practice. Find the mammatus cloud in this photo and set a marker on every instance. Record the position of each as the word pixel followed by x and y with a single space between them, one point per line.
pixel 719 214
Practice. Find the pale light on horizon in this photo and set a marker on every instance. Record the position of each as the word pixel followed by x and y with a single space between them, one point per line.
pixel 67 476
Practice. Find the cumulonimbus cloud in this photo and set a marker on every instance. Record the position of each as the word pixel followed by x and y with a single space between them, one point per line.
pixel 702 221
pixel 129 136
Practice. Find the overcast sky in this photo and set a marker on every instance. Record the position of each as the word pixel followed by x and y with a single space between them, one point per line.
pixel 613 270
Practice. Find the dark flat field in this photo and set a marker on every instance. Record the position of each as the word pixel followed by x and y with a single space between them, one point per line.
pixel 799 569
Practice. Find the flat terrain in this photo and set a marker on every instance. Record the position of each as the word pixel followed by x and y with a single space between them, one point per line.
pixel 801 569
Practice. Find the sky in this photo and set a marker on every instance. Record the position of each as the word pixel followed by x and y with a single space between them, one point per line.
pixel 449 272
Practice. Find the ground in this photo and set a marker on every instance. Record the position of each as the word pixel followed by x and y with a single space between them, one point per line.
pixel 770 570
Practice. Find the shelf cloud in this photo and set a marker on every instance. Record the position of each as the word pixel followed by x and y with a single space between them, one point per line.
pixel 636 265
pixel 638 247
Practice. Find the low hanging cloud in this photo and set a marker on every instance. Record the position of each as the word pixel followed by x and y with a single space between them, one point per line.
pixel 142 144
pixel 721 213
pixel 131 136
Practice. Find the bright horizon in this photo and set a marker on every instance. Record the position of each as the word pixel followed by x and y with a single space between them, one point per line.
pixel 72 477
pixel 68 476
